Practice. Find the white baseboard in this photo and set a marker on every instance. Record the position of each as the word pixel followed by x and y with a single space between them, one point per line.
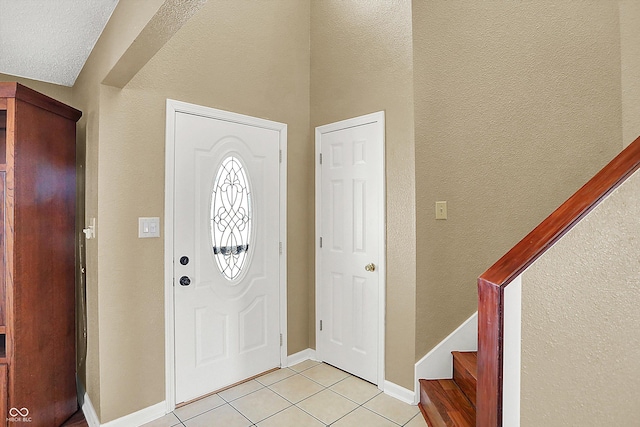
pixel 138 418
pixel 400 393
pixel 301 356
pixel 85 404
pixel 438 363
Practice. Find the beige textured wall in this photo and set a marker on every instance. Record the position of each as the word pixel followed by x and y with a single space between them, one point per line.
pixel 580 321
pixel 517 104
pixel 127 20
pixel 361 62
pixel 630 66
pixel 246 57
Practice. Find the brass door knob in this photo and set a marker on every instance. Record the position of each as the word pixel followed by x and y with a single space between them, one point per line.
pixel 370 267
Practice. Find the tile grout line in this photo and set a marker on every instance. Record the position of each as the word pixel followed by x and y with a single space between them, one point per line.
pixel 296 404
pixel 243 415
pixel 358 405
pixel 294 373
pixel 411 419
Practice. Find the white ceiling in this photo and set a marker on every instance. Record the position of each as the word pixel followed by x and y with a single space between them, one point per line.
pixel 50 40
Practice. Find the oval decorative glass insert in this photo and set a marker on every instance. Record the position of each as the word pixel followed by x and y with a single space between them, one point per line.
pixel 231 217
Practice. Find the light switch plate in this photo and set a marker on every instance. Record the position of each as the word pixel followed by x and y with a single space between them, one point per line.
pixel 441 210
pixel 148 227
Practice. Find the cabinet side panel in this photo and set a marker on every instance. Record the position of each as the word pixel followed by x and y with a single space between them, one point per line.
pixel 3 266
pixel 43 365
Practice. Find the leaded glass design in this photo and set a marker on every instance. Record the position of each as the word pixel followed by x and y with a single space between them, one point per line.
pixel 231 217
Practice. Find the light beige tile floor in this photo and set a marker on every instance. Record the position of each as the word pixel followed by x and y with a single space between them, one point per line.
pixel 309 394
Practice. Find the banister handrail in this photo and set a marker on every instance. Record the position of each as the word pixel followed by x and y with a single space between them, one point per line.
pixel 492 282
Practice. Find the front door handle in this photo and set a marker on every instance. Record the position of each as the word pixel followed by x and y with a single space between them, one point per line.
pixel 185 281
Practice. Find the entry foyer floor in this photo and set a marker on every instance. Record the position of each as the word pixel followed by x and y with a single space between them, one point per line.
pixel 309 394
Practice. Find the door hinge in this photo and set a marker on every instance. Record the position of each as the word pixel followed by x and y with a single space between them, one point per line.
pixel 280 156
pixel 321 325
pixel 280 248
pixel 280 340
pixel 321 242
pixel 320 158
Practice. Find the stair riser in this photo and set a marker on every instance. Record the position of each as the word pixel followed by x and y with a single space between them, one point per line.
pixel 464 374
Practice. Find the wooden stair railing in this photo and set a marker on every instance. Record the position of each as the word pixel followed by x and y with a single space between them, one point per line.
pixel 492 282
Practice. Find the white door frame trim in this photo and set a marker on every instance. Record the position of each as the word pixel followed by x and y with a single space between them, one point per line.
pixel 172 108
pixel 379 119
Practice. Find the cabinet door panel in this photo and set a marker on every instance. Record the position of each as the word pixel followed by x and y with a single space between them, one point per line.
pixel 3 135
pixel 3 395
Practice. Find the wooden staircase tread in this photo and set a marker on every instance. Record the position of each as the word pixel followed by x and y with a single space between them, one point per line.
pixel 443 404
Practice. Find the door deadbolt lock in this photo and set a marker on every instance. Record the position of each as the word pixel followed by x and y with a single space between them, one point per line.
pixel 370 267
pixel 184 260
pixel 185 281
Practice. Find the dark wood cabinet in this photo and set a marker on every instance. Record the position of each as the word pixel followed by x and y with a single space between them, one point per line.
pixel 37 257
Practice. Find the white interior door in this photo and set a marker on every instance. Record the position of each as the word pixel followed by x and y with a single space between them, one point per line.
pixel 226 251
pixel 350 261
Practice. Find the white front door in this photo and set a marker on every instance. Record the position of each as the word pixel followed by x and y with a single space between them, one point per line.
pixel 350 261
pixel 226 250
